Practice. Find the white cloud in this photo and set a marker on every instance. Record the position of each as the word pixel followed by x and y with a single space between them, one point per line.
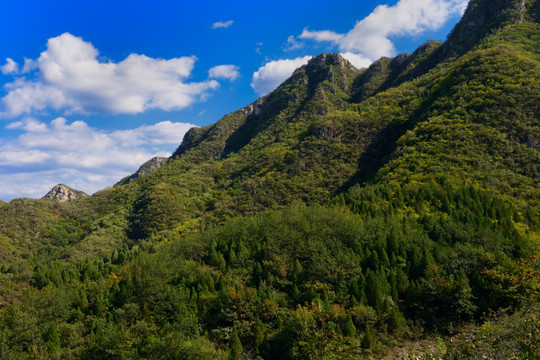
pixel 23 157
pixel 357 60
pixel 269 76
pixel 25 97
pixel 370 36
pixel 162 133
pixel 29 65
pixel 292 44
pixel 11 67
pixel 81 156
pixel 29 124
pixel 71 78
pixel 222 24
pixel 322 35
pixel 224 72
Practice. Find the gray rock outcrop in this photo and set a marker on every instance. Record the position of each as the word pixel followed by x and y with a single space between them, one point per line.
pixel 63 193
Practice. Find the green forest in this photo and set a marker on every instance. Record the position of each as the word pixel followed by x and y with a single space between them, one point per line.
pixel 391 212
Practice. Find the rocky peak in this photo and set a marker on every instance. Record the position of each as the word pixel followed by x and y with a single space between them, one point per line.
pixel 400 59
pixel 428 46
pixel 63 193
pixel 323 60
pixel 483 17
pixel 148 167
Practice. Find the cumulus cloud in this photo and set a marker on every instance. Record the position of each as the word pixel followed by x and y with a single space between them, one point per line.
pixel 222 24
pixel 358 60
pixel 29 65
pixel 86 158
pixel 71 78
pixel 29 125
pixel 224 72
pixel 292 44
pixel 269 76
pixel 322 35
pixel 370 36
pixel 11 67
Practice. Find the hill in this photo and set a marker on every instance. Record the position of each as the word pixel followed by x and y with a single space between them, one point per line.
pixel 63 193
pixel 344 213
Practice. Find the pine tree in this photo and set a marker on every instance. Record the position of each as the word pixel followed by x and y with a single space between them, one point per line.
pixel 297 271
pixel 402 281
pixel 368 342
pixel 221 263
pixel 53 340
pixel 235 347
pixel 296 293
pixel 232 257
pixel 83 300
pixel 374 292
pixel 258 333
pixel 412 294
pixel 349 329
pixel 396 321
pixel 463 297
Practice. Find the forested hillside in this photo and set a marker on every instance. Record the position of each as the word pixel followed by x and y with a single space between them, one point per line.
pixel 349 214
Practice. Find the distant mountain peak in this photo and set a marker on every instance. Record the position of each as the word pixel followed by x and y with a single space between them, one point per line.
pixel 145 169
pixel 323 60
pixel 63 193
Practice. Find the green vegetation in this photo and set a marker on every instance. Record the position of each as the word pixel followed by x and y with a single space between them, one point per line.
pixel 342 215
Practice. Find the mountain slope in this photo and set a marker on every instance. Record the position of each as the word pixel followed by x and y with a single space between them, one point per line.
pixel 331 126
pixel 322 142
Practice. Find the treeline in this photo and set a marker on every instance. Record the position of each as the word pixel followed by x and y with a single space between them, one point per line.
pixel 294 283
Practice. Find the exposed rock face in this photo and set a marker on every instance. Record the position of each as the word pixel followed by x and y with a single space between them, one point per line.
pixel 323 60
pixel 145 169
pixel 63 193
pixel 254 108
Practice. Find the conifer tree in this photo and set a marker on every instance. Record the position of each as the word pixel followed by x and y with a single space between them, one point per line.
pixel 53 340
pixel 396 321
pixel 368 342
pixel 258 333
pixel 349 329
pixel 235 347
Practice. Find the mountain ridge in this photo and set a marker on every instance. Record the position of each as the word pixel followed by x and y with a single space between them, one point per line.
pixel 315 91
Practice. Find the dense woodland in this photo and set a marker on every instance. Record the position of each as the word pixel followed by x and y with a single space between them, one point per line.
pixel 348 214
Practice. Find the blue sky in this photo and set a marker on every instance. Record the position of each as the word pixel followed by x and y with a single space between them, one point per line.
pixel 90 90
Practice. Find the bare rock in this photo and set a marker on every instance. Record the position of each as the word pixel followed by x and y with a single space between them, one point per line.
pixel 63 193
pixel 148 167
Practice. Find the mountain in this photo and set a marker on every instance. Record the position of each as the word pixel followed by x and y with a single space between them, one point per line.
pixel 346 213
pixel 145 169
pixel 485 17
pixel 63 193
